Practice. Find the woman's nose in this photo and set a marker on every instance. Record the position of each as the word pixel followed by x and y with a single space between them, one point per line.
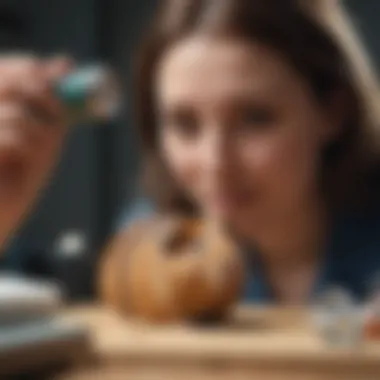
pixel 215 153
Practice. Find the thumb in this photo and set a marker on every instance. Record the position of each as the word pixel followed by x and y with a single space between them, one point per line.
pixel 58 66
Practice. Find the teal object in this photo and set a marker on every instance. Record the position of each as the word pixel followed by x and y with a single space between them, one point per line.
pixel 75 88
pixel 79 89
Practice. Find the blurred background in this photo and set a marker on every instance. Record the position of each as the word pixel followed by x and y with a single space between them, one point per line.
pixel 97 178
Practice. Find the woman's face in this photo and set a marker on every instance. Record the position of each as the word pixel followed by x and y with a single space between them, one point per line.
pixel 240 130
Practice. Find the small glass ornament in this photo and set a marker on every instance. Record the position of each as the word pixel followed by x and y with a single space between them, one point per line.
pixel 372 315
pixel 89 93
pixel 338 319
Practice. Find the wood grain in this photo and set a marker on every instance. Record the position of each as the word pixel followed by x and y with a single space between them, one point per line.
pixel 269 343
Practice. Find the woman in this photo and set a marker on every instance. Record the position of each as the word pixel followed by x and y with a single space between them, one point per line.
pixel 261 115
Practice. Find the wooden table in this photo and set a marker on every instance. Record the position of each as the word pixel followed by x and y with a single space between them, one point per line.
pixel 268 344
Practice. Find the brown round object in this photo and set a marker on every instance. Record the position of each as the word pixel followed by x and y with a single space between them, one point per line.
pixel 171 269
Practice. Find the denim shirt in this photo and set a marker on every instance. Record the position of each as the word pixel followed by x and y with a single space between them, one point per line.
pixel 351 258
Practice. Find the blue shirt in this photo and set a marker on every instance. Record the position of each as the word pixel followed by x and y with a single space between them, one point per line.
pixel 351 259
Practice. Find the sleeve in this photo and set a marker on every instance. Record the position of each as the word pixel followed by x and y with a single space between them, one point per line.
pixel 138 209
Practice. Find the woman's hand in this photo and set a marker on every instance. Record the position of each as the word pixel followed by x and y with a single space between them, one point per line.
pixel 31 133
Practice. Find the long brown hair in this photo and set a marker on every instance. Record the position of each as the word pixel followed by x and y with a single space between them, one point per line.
pixel 312 35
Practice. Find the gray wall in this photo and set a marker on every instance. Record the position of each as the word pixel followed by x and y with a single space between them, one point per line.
pixel 366 16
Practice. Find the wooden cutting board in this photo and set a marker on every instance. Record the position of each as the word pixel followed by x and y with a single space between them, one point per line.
pixel 271 343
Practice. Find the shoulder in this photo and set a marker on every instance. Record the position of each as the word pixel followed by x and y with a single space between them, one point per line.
pixel 137 210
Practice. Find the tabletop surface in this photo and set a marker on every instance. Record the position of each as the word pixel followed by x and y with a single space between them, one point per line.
pixel 254 335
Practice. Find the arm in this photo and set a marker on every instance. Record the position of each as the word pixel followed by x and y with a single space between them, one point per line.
pixel 32 131
pixel 29 143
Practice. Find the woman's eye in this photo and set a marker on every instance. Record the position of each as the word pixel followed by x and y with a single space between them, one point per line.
pixel 184 124
pixel 256 118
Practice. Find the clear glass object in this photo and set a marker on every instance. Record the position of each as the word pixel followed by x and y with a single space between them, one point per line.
pixel 372 322
pixel 338 319
pixel 89 93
